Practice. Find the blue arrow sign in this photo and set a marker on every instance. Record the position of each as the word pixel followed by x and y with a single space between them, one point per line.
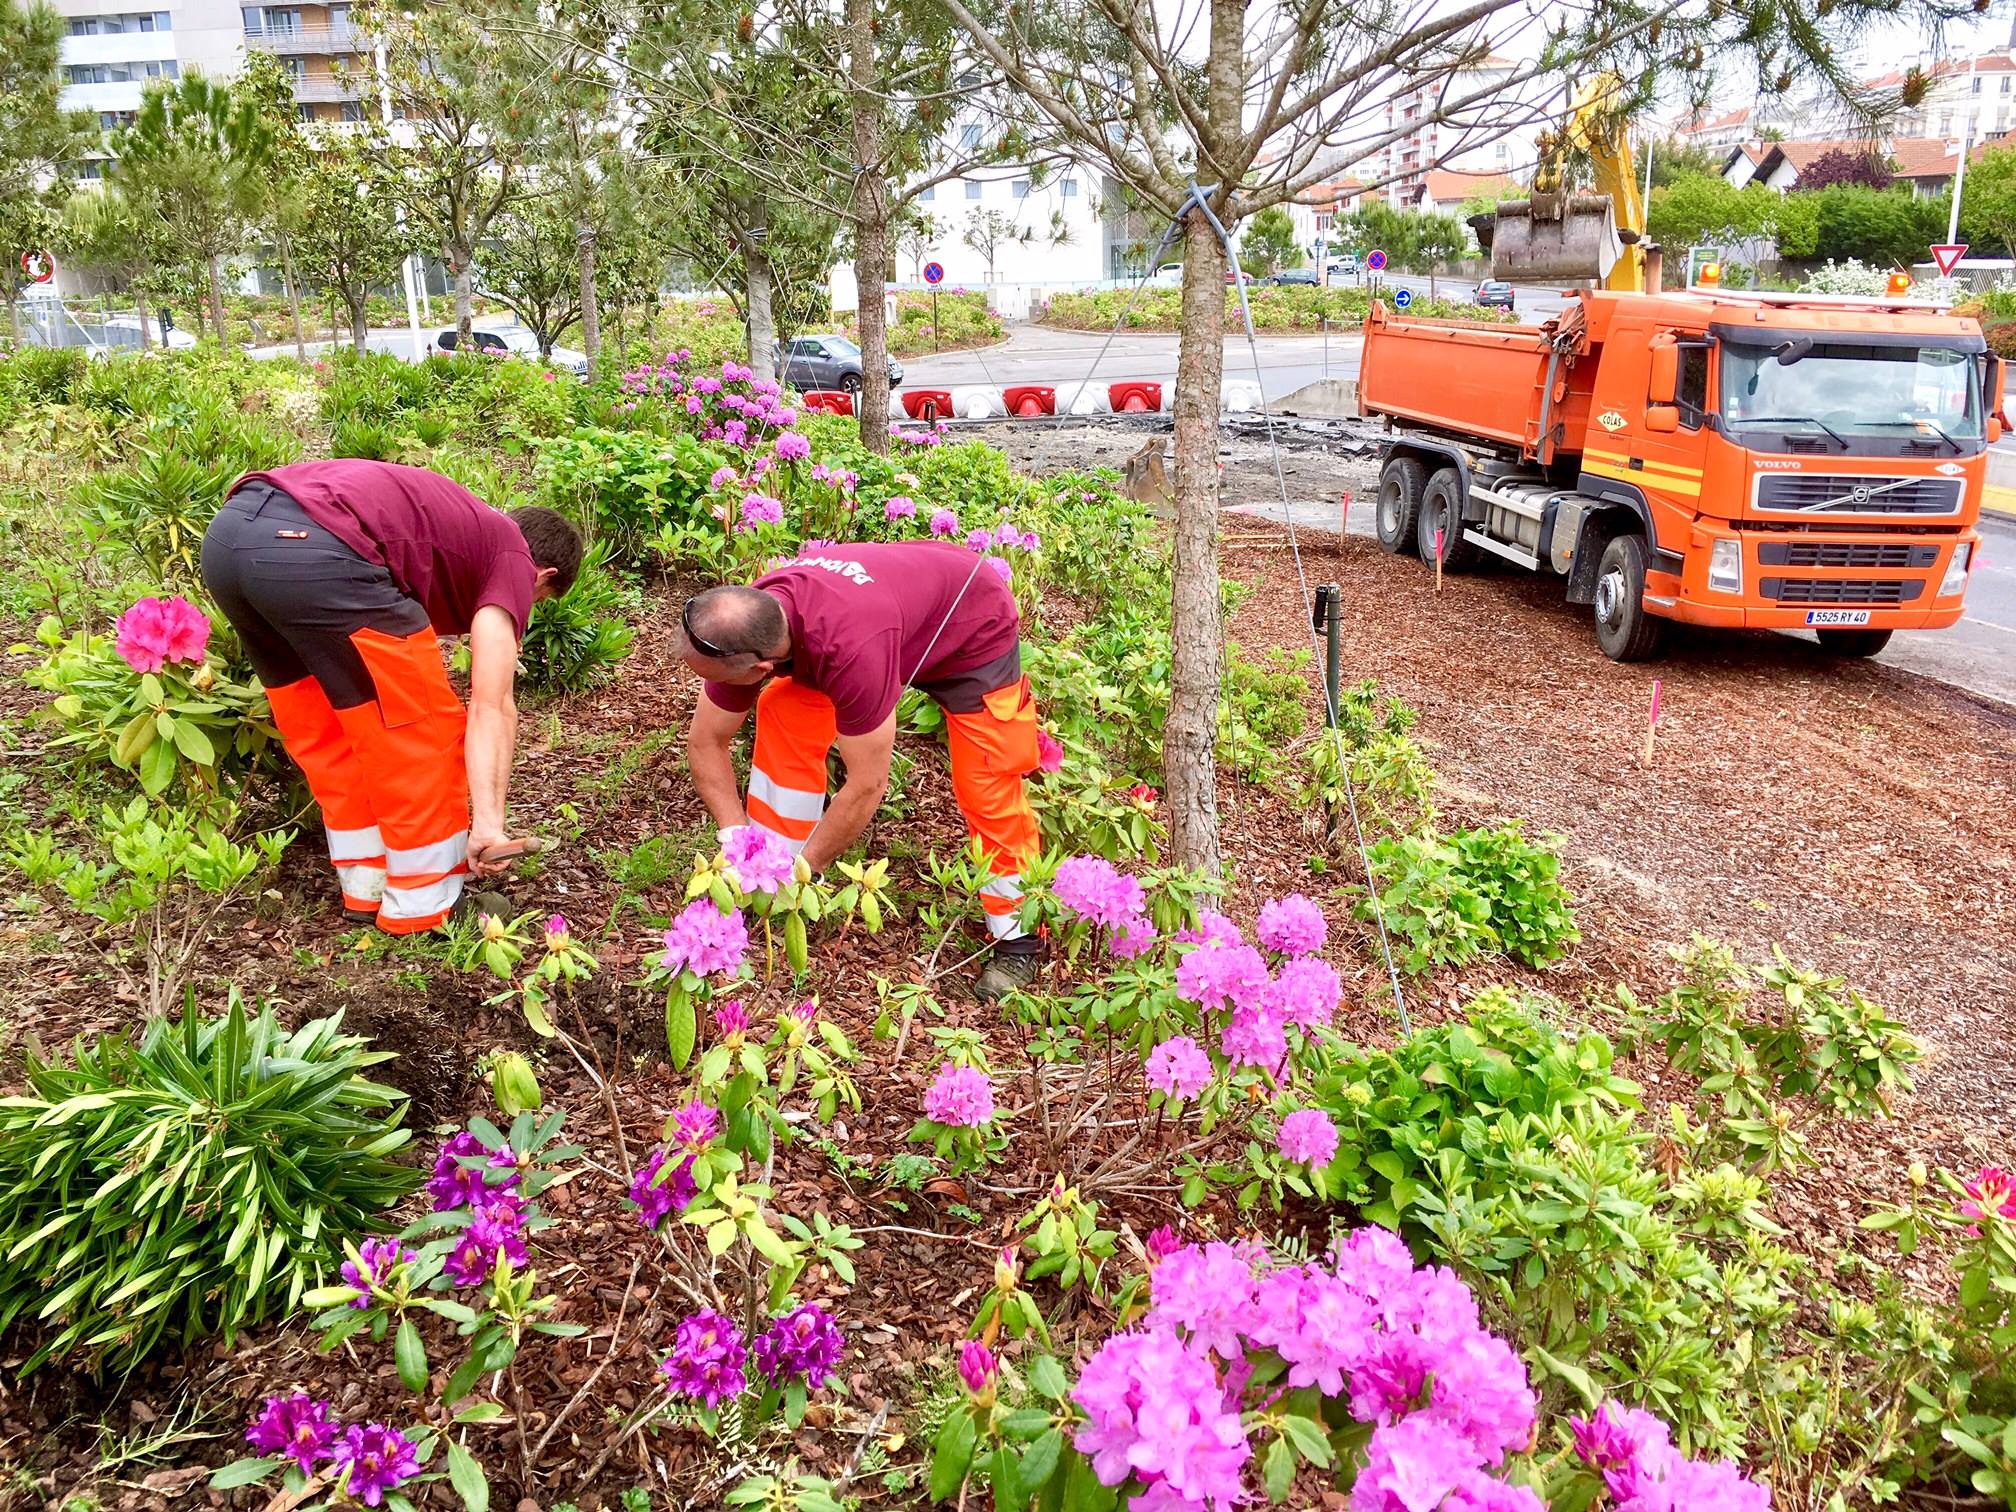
pixel 1403 298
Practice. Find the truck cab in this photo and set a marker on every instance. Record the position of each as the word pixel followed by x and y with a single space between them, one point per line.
pixel 1711 458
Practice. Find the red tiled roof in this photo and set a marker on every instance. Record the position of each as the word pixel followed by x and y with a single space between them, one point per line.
pixel 1732 118
pixel 1444 184
pixel 1930 157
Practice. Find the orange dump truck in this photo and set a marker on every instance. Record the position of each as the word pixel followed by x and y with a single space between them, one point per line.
pixel 1763 461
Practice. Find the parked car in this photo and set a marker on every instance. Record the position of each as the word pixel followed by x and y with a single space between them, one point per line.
pixel 1305 277
pixel 1494 292
pixel 826 362
pixel 1237 274
pixel 1347 265
pixel 516 341
pixel 1168 276
pixel 122 332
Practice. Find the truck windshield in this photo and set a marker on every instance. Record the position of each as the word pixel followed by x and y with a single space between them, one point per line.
pixel 1933 391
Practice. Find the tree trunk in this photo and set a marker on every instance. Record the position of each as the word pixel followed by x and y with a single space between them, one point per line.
pixel 591 312
pixel 1190 732
pixel 460 262
pixel 140 300
pixel 762 323
pixel 871 226
pixel 360 324
pixel 216 268
pixel 286 244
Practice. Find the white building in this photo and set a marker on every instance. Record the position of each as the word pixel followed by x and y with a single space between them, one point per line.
pixel 111 50
pixel 1474 141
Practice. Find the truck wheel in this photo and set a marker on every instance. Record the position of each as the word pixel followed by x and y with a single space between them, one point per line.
pixel 1442 509
pixel 1400 488
pixel 1624 629
pixel 1852 642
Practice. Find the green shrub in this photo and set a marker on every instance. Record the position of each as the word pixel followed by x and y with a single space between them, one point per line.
pixel 1274 309
pixel 577 639
pixel 1452 898
pixel 33 375
pixel 191 1182
pixel 624 485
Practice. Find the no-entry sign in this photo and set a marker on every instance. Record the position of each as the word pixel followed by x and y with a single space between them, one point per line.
pixel 1947 255
pixel 934 273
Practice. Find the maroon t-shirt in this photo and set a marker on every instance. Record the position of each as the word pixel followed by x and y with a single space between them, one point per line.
pixel 864 617
pixel 442 544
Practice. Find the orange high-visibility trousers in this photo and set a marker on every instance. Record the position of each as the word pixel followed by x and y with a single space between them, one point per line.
pixel 993 749
pixel 353 672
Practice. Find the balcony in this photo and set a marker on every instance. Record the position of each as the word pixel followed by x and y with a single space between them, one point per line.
pixel 322 89
pixel 296 41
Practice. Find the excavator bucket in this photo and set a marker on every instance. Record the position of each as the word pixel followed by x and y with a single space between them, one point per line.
pixel 1555 236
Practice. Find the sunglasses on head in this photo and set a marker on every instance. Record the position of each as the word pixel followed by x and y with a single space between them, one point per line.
pixel 703 646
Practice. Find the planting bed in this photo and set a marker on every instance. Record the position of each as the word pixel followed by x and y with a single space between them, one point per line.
pixel 1854 815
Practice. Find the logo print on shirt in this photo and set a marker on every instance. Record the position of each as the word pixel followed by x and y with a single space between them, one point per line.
pixel 854 572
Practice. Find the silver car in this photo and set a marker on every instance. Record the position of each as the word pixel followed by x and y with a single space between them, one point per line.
pixel 516 341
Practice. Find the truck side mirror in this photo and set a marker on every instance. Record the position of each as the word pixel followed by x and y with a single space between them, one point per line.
pixel 1994 430
pixel 1664 418
pixel 1664 382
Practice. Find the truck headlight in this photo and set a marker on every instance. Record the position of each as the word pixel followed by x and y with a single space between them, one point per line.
pixel 1725 567
pixel 1956 570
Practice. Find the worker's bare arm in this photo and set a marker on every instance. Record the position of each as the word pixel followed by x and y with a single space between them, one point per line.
pixel 708 744
pixel 492 732
pixel 867 758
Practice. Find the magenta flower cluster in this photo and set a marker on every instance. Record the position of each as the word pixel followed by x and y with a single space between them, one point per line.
pixel 1634 1453
pixel 694 1125
pixel 733 407
pixel 298 1426
pixel 1307 1137
pixel 365 1460
pixel 157 631
pixel 1096 890
pixel 464 1174
pixel 377 1260
pixel 902 507
pixel 705 941
pixel 761 861
pixel 960 1097
pixel 759 510
pixel 1292 926
pixel 1403 1348
pixel 658 1193
pixel 1179 1067
pixel 709 1360
pixel 804 1344
pixel 792 447
pixel 496 1232
pixel 944 523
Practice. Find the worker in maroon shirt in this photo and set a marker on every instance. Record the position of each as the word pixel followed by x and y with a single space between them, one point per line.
pixel 822 648
pixel 338 576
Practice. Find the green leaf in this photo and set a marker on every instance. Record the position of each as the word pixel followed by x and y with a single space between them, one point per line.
pixel 1574 1375
pixel 468 1479
pixel 1278 1470
pixel 682 1027
pixel 1003 1470
pixel 1047 1376
pixel 1974 1287
pixel 952 1455
pixel 410 1356
pixel 535 1015
pixel 1309 1438
pixel 194 744
pixel 244 1472
pixel 1082 1490
pixel 1039 1461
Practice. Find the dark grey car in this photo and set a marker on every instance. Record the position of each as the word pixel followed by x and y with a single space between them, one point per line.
pixel 826 362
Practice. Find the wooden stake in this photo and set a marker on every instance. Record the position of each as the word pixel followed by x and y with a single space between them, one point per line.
pixel 1652 724
pixel 1344 516
pixel 1438 558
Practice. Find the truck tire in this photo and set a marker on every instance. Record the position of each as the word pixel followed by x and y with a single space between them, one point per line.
pixel 1624 629
pixel 1401 485
pixel 1442 509
pixel 1852 642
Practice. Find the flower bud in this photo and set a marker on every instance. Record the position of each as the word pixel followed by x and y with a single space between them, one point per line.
pixel 1005 1271
pixel 203 679
pixel 801 869
pixel 978 1368
pixel 557 938
pixel 514 1085
pixel 493 927
pixel 1917 1173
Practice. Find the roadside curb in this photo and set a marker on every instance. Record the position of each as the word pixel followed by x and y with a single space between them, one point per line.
pixel 1996 499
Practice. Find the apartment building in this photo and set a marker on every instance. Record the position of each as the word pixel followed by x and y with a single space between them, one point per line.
pixel 1476 139
pixel 111 50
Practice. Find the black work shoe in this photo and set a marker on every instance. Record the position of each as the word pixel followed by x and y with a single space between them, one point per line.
pixel 1006 973
pixel 360 915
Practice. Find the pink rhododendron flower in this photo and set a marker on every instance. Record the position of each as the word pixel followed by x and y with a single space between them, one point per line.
pixel 1292 926
pixel 694 1125
pixel 961 1097
pixel 157 631
pixel 1001 569
pixel 1208 1289
pixel 979 540
pixel 298 1426
pixel 721 477
pixel 1307 1137
pixel 760 509
pixel 1143 797
pixel 1179 1067
pixel 791 447
pixel 1155 1409
pixel 1049 753
pixel 1255 1036
pixel 373 1459
pixel 1161 1243
pixel 1991 1191
pixel 704 940
pixel 761 862
pixel 1212 927
pixel 1216 975
pixel 1095 889
pixel 900 508
pixel 731 1018
pixel 944 522
pixel 1132 937
pixel 1305 993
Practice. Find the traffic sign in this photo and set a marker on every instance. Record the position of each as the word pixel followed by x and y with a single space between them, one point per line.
pixel 1403 297
pixel 1947 255
pixel 39 266
pixel 934 273
pixel 1376 260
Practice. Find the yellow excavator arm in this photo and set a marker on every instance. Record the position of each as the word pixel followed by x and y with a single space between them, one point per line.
pixel 1599 233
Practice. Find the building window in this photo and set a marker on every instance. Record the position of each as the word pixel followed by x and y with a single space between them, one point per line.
pixel 1974 84
pixel 304 112
pixel 1070 188
pixel 1020 188
pixel 295 68
pixel 928 192
pixel 84 26
pixel 969 138
pixel 972 188
pixel 1945 125
pixel 352 110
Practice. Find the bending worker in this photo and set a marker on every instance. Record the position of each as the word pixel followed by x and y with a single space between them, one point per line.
pixel 337 577
pixel 822 648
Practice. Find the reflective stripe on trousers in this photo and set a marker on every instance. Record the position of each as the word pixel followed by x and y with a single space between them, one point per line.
pixel 1002 899
pixel 422 884
pixel 359 858
pixel 795 728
